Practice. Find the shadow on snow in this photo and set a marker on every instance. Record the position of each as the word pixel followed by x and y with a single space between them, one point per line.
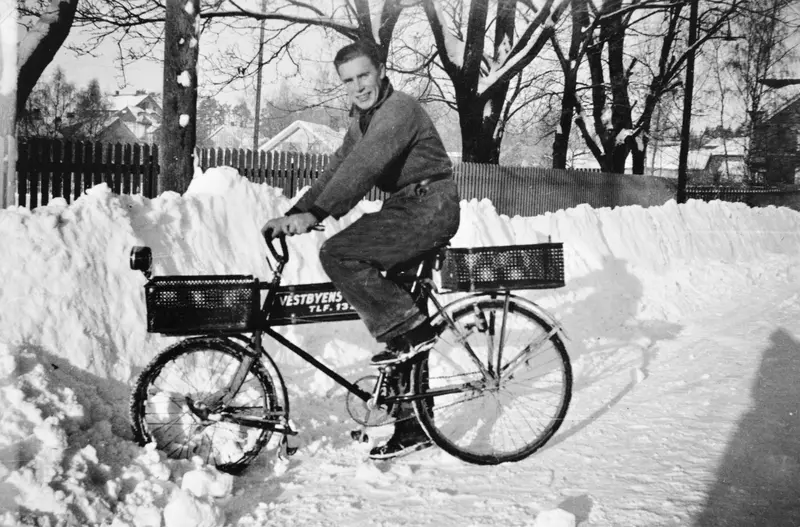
pixel 759 476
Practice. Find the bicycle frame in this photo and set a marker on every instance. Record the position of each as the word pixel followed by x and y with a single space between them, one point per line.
pixel 271 307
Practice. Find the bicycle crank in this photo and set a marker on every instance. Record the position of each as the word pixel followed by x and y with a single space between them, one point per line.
pixel 366 413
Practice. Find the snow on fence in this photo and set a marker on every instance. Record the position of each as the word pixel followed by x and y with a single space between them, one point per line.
pixel 49 168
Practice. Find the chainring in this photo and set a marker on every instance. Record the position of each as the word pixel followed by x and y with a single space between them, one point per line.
pixel 360 410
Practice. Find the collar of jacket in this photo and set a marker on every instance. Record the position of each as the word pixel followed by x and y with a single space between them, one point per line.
pixel 386 91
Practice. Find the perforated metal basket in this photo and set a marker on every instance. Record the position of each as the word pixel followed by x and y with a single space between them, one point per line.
pixel 191 305
pixel 538 266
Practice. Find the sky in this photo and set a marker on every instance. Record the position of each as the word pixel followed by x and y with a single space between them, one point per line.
pixel 683 333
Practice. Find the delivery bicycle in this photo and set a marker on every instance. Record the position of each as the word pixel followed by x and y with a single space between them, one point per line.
pixel 494 388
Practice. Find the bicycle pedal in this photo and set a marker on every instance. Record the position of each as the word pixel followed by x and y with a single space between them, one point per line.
pixel 286 448
pixel 359 435
pixel 286 428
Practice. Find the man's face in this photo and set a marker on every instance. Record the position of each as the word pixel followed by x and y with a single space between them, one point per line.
pixel 362 80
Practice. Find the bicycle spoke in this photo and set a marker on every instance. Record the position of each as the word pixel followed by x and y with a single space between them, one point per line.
pixel 503 327
pixel 197 373
pixel 500 417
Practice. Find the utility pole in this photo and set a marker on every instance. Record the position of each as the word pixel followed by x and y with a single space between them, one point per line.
pixel 683 155
pixel 258 80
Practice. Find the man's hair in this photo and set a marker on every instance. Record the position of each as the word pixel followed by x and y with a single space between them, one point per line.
pixel 361 48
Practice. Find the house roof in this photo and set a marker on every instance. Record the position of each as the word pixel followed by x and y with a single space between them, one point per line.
pixel 329 138
pixel 732 146
pixel 779 108
pixel 667 155
pixel 230 136
pixel 119 102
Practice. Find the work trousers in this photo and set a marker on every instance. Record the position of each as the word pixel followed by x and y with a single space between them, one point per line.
pixel 416 219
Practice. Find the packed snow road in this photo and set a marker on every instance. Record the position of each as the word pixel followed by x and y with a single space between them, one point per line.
pixel 684 340
pixel 684 423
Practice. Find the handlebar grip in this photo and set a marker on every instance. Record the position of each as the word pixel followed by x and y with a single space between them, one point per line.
pixel 280 257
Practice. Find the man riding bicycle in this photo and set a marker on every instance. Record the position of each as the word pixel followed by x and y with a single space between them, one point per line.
pixel 392 144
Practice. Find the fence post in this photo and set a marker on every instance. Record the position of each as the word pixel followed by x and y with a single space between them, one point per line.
pixel 59 168
pixel 36 164
pixel 97 165
pixel 126 170
pixel 136 169
pixel 47 171
pixel 67 168
pixel 22 174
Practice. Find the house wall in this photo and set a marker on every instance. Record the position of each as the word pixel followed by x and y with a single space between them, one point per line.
pixel 774 151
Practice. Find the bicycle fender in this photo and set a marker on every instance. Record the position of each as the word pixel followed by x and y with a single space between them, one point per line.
pixel 528 304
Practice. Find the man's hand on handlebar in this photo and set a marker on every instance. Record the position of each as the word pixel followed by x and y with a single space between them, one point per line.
pixel 290 225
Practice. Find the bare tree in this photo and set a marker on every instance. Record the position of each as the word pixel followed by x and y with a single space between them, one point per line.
pixel 482 59
pixel 211 114
pixel 482 56
pixel 137 26
pixel 50 109
pixel 765 47
pixel 91 112
pixel 52 22
pixel 635 54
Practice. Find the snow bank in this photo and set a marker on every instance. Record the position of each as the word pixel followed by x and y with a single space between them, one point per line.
pixel 72 318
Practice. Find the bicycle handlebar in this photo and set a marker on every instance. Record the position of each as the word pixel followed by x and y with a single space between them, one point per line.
pixel 281 257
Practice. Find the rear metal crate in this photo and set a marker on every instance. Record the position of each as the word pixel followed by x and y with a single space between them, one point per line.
pixel 538 266
pixel 191 305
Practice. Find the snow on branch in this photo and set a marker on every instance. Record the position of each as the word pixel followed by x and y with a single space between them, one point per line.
pixel 453 46
pixel 527 48
pixel 323 21
pixel 48 19
pixel 377 15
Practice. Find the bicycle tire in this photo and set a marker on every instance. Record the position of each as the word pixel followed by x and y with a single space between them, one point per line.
pixel 455 422
pixel 187 371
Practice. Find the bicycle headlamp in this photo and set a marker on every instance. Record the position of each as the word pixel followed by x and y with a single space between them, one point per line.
pixel 142 260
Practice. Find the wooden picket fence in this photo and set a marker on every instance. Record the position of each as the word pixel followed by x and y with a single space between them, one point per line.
pixel 51 168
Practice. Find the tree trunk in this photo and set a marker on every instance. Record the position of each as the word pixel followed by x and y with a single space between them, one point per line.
pixel 561 140
pixel 570 64
pixel 8 81
pixel 40 45
pixel 179 122
pixel 639 157
pixel 480 142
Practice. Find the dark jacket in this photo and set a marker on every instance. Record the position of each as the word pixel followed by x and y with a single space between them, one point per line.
pixel 400 147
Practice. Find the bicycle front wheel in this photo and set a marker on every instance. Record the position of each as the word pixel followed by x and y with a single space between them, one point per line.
pixel 172 404
pixel 498 384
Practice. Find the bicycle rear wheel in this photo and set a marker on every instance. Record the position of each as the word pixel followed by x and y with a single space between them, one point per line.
pixel 170 404
pixel 511 405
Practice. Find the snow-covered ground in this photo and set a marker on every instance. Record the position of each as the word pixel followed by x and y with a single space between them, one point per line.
pixel 685 344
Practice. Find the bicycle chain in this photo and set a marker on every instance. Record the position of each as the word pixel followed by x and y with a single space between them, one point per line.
pixel 413 416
